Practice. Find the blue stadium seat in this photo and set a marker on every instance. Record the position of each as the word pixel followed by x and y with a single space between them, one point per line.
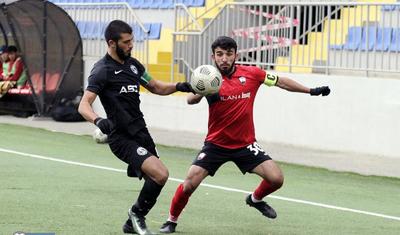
pixel 353 38
pixel 369 34
pixel 388 8
pixel 395 43
pixel 138 33
pixel 89 29
pixel 384 37
pixel 167 4
pixel 336 47
pixel 81 27
pixel 156 4
pixel 180 2
pixel 155 31
pixel 146 4
pixel 198 3
pixel 135 3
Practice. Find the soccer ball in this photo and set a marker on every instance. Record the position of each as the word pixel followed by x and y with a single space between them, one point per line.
pixel 206 80
pixel 99 137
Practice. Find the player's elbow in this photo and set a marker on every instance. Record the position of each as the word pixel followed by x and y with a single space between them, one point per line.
pixel 82 107
pixel 193 99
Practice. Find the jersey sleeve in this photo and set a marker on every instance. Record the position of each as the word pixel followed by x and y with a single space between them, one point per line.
pixel 97 79
pixel 259 74
pixel 144 76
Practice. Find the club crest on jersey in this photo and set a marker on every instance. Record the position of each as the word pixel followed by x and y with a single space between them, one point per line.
pixel 201 156
pixel 242 80
pixel 141 151
pixel 134 69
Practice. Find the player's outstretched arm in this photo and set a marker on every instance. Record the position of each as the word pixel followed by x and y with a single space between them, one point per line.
pixel 166 88
pixel 291 85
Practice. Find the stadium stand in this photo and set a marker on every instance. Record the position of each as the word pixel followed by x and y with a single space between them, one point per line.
pixel 368 40
pixel 95 30
pixel 395 43
pixel 357 28
pixel 384 38
pixel 353 38
pixel 141 4
pixel 379 39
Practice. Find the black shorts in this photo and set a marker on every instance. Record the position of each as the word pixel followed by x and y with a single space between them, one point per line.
pixel 211 157
pixel 133 150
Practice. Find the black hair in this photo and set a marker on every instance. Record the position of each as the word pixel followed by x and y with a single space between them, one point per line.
pixel 12 49
pixel 114 30
pixel 225 43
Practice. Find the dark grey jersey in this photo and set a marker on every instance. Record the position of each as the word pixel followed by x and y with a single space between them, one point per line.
pixel 118 87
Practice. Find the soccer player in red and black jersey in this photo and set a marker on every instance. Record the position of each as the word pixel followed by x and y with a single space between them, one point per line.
pixel 231 131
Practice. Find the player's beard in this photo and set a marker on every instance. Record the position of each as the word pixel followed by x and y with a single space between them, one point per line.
pixel 121 54
pixel 226 71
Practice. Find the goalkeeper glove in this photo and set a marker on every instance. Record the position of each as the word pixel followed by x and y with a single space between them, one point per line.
pixel 184 87
pixel 324 90
pixel 104 124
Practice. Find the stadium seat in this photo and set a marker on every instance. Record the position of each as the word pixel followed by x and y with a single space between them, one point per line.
pixel 89 29
pixel 353 38
pixel 135 3
pixel 155 31
pixel 388 7
pixel 167 4
pixel 146 4
pixel 198 3
pixel 369 34
pixel 138 33
pixel 336 47
pixel 395 43
pixel 384 37
pixel 156 4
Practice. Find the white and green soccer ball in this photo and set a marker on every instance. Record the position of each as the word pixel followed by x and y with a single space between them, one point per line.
pixel 99 136
pixel 206 80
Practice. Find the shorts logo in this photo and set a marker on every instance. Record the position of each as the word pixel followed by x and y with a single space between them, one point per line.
pixel 134 69
pixel 141 151
pixel 201 156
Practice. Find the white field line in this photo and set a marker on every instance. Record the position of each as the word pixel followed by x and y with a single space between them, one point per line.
pixel 206 185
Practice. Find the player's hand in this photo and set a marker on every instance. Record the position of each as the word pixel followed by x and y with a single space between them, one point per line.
pixel 184 87
pixel 324 90
pixel 104 124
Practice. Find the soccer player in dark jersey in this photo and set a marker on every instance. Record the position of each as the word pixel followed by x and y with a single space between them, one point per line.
pixel 231 131
pixel 116 79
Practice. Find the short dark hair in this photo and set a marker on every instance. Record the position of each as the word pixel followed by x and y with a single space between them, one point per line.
pixel 114 30
pixel 12 49
pixel 225 43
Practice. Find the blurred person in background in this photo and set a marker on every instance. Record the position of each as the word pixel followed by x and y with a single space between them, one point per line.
pixel 13 73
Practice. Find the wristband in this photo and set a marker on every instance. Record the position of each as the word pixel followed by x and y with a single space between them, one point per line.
pixel 97 120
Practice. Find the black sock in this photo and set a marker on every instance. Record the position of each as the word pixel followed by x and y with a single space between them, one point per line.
pixel 147 197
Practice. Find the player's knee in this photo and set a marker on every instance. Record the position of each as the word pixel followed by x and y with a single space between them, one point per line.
pixel 278 180
pixel 161 177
